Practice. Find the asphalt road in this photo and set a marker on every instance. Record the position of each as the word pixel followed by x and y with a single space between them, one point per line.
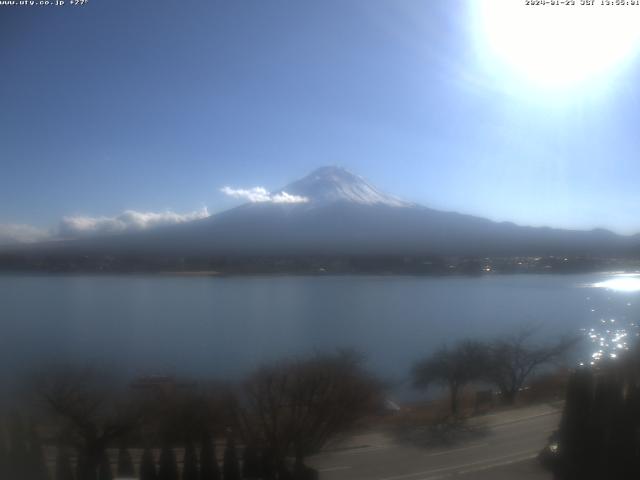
pixel 504 448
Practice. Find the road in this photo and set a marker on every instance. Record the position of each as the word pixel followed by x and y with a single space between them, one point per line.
pixel 505 450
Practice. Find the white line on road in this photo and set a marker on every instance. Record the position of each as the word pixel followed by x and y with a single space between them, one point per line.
pixel 373 448
pixel 457 468
pixel 352 451
pixel 500 464
pixel 506 423
pixel 476 445
pixel 334 469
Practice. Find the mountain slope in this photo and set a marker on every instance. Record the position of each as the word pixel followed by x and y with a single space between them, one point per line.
pixel 343 214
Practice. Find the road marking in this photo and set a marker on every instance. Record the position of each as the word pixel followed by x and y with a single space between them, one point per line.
pixel 333 469
pixel 547 409
pixel 496 465
pixel 518 420
pixel 456 468
pixel 540 430
pixel 476 445
pixel 352 450
pixel 373 448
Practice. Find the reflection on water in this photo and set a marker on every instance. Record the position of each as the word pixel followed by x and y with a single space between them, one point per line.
pixel 621 283
pixel 615 327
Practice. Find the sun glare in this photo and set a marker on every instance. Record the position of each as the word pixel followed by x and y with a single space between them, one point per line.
pixel 559 45
pixel 621 283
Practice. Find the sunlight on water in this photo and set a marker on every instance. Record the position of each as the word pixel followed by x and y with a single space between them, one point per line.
pixel 621 283
pixel 613 312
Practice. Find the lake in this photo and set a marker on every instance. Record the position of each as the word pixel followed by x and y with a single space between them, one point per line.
pixel 224 327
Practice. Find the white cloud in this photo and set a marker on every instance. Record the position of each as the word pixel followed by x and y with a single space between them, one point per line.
pixel 82 226
pixel 284 197
pixel 128 221
pixel 13 233
pixel 261 194
pixel 254 195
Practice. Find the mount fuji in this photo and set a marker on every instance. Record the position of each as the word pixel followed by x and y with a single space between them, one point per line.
pixel 328 185
pixel 334 212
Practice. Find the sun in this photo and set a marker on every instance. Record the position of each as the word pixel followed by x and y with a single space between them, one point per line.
pixel 558 45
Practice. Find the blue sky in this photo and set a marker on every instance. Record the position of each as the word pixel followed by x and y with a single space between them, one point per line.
pixel 154 106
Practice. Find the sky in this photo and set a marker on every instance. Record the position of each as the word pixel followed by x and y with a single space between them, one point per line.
pixel 129 112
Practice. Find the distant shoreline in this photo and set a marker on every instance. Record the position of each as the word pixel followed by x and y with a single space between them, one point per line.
pixel 217 274
pixel 190 273
pixel 314 264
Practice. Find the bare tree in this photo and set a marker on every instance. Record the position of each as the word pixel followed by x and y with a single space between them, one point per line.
pixel 294 408
pixel 186 410
pixel 452 367
pixel 90 412
pixel 513 359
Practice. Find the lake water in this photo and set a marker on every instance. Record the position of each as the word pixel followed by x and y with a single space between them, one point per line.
pixel 224 327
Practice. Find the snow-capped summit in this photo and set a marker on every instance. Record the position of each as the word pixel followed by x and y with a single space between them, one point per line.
pixel 335 184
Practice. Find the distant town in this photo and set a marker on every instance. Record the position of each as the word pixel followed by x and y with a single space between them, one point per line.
pixel 313 264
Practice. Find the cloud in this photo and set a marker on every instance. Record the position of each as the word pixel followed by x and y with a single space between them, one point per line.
pixel 128 221
pixel 14 233
pixel 261 194
pixel 284 197
pixel 254 195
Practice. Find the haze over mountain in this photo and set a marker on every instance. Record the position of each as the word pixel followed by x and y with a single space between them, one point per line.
pixel 334 212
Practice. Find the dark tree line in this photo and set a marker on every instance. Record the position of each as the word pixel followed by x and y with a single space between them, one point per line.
pixel 26 461
pixel 281 414
pixel 599 431
pixel 196 465
pixel 21 452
